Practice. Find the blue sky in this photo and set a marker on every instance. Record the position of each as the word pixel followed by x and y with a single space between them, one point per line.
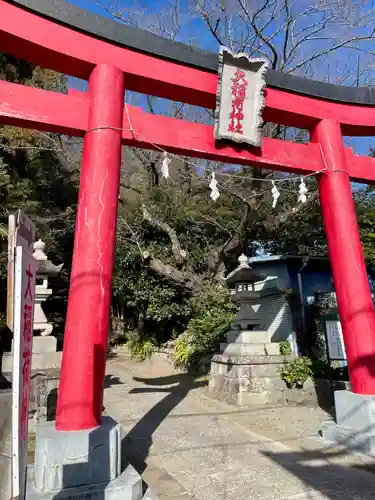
pixel 191 27
pixel 196 32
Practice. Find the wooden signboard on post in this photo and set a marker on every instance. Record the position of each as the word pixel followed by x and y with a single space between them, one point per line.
pixel 335 341
pixel 23 307
pixel 21 232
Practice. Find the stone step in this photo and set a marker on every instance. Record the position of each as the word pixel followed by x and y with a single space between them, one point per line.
pixel 41 344
pixel 248 337
pixel 40 361
pixel 254 398
pixel 270 349
pixel 245 370
pixel 260 391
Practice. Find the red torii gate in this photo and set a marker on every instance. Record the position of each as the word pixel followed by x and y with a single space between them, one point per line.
pixel 113 58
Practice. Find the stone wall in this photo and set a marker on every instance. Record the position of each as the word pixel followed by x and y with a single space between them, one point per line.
pixel 43 393
pixel 314 393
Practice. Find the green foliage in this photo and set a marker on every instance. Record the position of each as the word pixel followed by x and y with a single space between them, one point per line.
pixel 365 207
pixel 367 230
pixel 285 349
pixel 182 352
pixel 296 372
pixel 141 349
pixel 314 343
pixel 150 305
pixel 36 176
pixel 320 368
pixel 212 317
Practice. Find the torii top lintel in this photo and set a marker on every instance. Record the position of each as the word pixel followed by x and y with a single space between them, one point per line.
pixel 60 36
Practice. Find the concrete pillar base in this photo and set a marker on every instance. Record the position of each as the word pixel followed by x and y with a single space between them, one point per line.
pixel 128 486
pixel 355 423
pixel 81 463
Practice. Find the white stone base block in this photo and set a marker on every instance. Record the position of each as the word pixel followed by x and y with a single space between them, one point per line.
pixel 40 361
pixel 240 349
pixel 355 423
pixel 128 486
pixel 81 464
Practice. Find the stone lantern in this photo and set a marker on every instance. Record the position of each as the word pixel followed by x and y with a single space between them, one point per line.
pixel 247 369
pixel 44 345
pixel 45 270
pixel 242 282
pixel 45 355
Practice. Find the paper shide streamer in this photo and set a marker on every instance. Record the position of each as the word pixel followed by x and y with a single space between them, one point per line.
pixel 214 195
pixel 213 185
pixel 165 166
pixel 302 198
pixel 275 194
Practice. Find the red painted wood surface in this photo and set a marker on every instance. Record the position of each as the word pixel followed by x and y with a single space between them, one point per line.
pixel 354 300
pixel 58 47
pixel 305 112
pixel 34 108
pixel 87 324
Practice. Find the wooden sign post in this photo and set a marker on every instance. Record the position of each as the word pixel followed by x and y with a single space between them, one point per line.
pixel 23 306
pixel 20 314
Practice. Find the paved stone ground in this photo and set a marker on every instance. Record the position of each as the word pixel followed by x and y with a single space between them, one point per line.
pixel 189 446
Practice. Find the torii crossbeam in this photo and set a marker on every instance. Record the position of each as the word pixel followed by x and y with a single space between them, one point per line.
pixel 113 57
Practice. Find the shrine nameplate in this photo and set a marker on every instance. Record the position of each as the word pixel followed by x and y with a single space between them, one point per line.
pixel 240 98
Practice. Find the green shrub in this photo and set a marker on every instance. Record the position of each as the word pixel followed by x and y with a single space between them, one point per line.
pixel 212 317
pixel 296 372
pixel 340 373
pixel 285 349
pixel 181 353
pixel 141 349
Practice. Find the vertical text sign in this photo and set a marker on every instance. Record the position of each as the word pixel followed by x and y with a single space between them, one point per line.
pixel 21 232
pixel 24 298
pixel 239 98
pixel 335 341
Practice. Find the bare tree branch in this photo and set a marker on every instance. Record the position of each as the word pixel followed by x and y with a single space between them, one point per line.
pixel 179 254
pixel 184 280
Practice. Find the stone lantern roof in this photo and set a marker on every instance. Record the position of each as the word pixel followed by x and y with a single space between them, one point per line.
pixel 44 265
pixel 244 273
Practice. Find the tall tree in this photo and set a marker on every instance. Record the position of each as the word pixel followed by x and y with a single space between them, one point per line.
pixel 39 176
pixel 172 229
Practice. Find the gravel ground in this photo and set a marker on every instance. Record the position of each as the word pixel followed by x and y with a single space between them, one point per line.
pixel 210 450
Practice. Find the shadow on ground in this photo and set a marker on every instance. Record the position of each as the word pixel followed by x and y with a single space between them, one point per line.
pixel 334 481
pixel 110 380
pixel 138 441
pixel 315 469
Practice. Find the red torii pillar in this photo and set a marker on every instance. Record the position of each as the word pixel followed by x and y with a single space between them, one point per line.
pixel 353 293
pixel 87 324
